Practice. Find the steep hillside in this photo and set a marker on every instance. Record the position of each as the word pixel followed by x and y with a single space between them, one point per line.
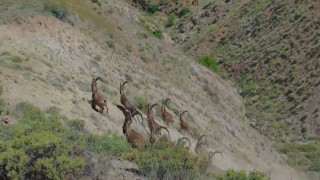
pixel 270 49
pixel 49 53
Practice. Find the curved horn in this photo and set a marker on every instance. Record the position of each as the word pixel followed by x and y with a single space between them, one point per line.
pixel 165 101
pixel 156 104
pixel 162 127
pixel 126 82
pixel 187 140
pixel 124 111
pixel 200 138
pixel 98 78
pixel 122 86
pixel 211 154
pixel 183 113
pixel 138 113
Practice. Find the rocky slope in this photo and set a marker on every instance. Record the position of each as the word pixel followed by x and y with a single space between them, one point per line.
pixel 50 62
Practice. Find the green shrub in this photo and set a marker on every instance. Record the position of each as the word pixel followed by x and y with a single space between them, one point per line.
pixel 157 33
pixel 95 1
pixel 16 59
pixel 57 12
pixel 165 160
pixel 36 148
pixel 210 63
pixel 140 102
pixel 171 21
pixel 109 145
pixel 77 125
pixel 184 11
pixel 152 8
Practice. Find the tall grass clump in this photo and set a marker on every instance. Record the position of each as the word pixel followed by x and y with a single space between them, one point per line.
pixel 209 62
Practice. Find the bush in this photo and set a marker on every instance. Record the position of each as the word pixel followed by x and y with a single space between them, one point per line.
pixel 184 11
pixel 109 145
pixel 95 1
pixel 157 33
pixel 152 8
pixel 171 21
pixel 140 102
pixel 165 160
pixel 210 63
pixel 36 148
pixel 16 59
pixel 57 12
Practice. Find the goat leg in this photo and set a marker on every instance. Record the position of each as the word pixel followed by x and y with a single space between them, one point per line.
pixel 93 106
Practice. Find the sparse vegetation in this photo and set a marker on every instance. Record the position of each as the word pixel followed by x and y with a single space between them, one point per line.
pixel 16 59
pixel 310 158
pixel 77 125
pixel 171 20
pixel 157 33
pixel 234 175
pixel 56 11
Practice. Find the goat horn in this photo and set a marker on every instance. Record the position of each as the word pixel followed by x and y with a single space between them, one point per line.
pixel 183 113
pixel 122 85
pixel 165 101
pixel 211 154
pixel 203 136
pixel 156 104
pixel 188 140
pixel 162 127
pixel 138 113
pixel 122 108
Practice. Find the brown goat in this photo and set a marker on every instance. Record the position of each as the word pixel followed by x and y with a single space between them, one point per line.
pixel 183 125
pixel 97 99
pixel 134 138
pixel 166 116
pixel 125 102
pixel 181 142
pixel 154 127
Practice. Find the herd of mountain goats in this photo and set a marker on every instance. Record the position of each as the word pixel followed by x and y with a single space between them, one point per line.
pixel 137 140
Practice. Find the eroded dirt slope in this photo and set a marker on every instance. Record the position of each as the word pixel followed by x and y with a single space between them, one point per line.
pixel 57 61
